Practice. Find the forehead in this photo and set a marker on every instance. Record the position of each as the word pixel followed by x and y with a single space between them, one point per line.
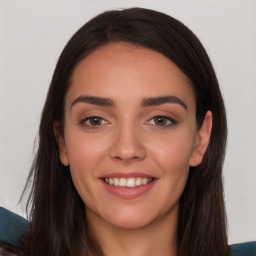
pixel 122 70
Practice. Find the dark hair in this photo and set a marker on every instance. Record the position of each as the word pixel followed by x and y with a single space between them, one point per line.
pixel 58 221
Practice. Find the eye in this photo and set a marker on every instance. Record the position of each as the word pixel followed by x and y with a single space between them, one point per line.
pixel 163 121
pixel 93 121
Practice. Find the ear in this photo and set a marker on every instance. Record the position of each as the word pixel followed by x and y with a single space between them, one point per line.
pixel 202 141
pixel 61 144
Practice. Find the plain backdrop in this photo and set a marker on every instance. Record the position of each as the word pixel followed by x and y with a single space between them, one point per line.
pixel 33 34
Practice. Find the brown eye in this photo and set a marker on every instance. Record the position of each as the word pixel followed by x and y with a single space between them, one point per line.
pixel 162 121
pixel 93 121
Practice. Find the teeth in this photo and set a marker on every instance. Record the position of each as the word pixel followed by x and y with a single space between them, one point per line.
pixel 122 182
pixel 129 182
pixel 144 181
pixel 138 182
pixel 116 182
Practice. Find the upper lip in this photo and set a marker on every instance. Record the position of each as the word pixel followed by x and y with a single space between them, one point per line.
pixel 127 175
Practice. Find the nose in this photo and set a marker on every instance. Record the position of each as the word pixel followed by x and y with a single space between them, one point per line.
pixel 127 145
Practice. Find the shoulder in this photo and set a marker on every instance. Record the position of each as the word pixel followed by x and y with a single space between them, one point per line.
pixel 12 227
pixel 243 249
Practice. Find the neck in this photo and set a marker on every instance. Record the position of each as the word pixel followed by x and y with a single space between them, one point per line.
pixel 157 238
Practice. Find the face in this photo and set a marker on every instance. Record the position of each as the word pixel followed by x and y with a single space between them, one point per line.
pixel 130 135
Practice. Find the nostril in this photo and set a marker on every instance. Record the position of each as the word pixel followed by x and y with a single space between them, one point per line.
pixel 117 158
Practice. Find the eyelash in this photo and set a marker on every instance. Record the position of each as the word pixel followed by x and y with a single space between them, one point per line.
pixel 168 121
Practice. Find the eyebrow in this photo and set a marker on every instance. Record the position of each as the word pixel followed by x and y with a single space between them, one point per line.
pixel 154 101
pixel 94 101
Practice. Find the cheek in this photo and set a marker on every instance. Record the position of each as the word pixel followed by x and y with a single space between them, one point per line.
pixel 172 154
pixel 173 151
pixel 85 154
pixel 84 151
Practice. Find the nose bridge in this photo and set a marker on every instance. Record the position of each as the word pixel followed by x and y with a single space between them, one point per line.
pixel 127 143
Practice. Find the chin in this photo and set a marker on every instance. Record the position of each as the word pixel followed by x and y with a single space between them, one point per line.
pixel 128 218
pixel 131 223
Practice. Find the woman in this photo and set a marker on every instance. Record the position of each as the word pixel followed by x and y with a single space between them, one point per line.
pixel 131 144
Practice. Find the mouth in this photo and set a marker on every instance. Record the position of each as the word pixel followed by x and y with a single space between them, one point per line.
pixel 128 185
pixel 131 182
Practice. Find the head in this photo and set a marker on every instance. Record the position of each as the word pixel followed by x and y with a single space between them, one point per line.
pixel 201 206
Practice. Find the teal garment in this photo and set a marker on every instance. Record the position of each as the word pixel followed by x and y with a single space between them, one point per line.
pixel 243 249
pixel 13 226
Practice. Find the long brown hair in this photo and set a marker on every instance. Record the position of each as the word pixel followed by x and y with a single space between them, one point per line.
pixel 57 213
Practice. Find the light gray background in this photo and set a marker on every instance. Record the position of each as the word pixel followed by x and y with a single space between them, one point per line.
pixel 32 35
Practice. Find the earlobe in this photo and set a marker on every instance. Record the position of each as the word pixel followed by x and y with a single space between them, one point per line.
pixel 203 139
pixel 61 144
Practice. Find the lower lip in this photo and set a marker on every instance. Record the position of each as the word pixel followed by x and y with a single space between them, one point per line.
pixel 127 192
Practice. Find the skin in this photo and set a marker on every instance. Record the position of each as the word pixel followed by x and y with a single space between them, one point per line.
pixel 128 138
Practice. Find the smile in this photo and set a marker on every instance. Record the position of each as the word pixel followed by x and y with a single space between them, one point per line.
pixel 128 182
